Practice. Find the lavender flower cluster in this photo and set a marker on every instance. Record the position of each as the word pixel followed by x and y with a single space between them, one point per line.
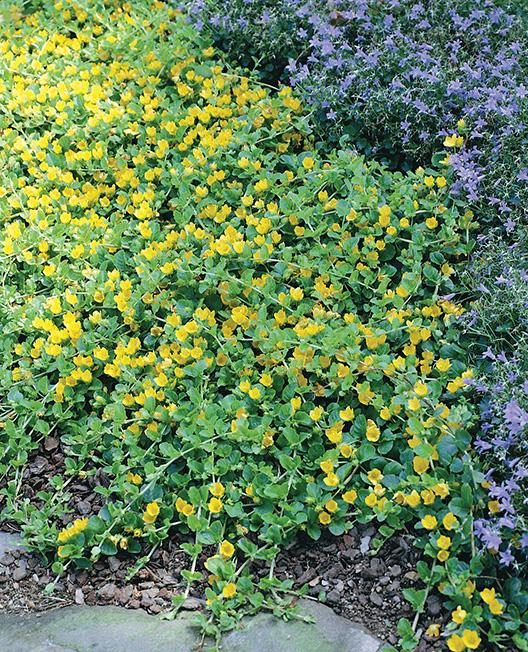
pixel 498 279
pixel 503 445
pixel 398 75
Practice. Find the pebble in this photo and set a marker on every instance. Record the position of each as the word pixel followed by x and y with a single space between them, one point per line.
pixel 107 591
pixel 364 544
pixel 192 604
pixel 395 570
pixel 20 572
pixel 376 599
pixel 333 597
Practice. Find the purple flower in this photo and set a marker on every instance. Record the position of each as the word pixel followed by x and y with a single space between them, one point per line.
pixel 516 417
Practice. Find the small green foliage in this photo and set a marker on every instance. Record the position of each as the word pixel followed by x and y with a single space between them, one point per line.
pixel 244 338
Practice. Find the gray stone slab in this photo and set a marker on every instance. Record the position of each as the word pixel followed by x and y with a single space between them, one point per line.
pixel 114 629
pixel 95 629
pixel 9 542
pixel 329 633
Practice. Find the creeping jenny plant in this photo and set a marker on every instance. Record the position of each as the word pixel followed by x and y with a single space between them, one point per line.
pixel 246 338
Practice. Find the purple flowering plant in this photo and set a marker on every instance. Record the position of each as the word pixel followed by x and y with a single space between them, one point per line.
pixel 397 76
pixel 498 326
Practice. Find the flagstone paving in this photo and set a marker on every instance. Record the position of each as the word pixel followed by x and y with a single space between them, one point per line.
pixel 114 629
pixel 9 542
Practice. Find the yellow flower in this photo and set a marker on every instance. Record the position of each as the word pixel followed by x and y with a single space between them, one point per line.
pixel 229 590
pixel 433 631
pixel 296 293
pixel 324 518
pixel 73 529
pixel 266 380
pixel 350 496
pixel 374 476
pixel 489 597
pixel 245 385
pixel 431 222
pixel 443 542
pixel 308 162
pixel 449 521
pixel 469 588
pixel 151 512
pixel 347 414
pixel 295 403
pixel 413 499
pixel 471 639
pixel 420 389
pixel 420 465
pixel 455 643
pixel 453 141
pixel 373 432
pixel 384 215
pixel 254 393
pixel 217 489
pixel 414 404
pixel 331 480
pixel 316 413
pixel 371 500
pixel 227 549
pixel 101 353
pixel 215 505
pixel 494 506
pixel 331 506
pixel 429 522
pixel 443 365
pixel 458 615
pixel 261 185
pixel 134 478
pixel 327 466
pixel 429 181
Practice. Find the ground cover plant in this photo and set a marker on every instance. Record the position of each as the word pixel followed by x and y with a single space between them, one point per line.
pixel 240 336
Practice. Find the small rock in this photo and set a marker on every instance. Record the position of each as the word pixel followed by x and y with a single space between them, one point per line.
pixel 434 606
pixel 79 596
pixel 192 604
pixel 364 544
pixel 9 542
pixel 123 595
pixel 333 597
pixel 395 570
pixel 152 593
pixel 107 591
pixel 376 599
pixel 50 443
pixel 335 570
pixel 146 601
pixel 84 507
pixel 20 572
pixel 113 563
